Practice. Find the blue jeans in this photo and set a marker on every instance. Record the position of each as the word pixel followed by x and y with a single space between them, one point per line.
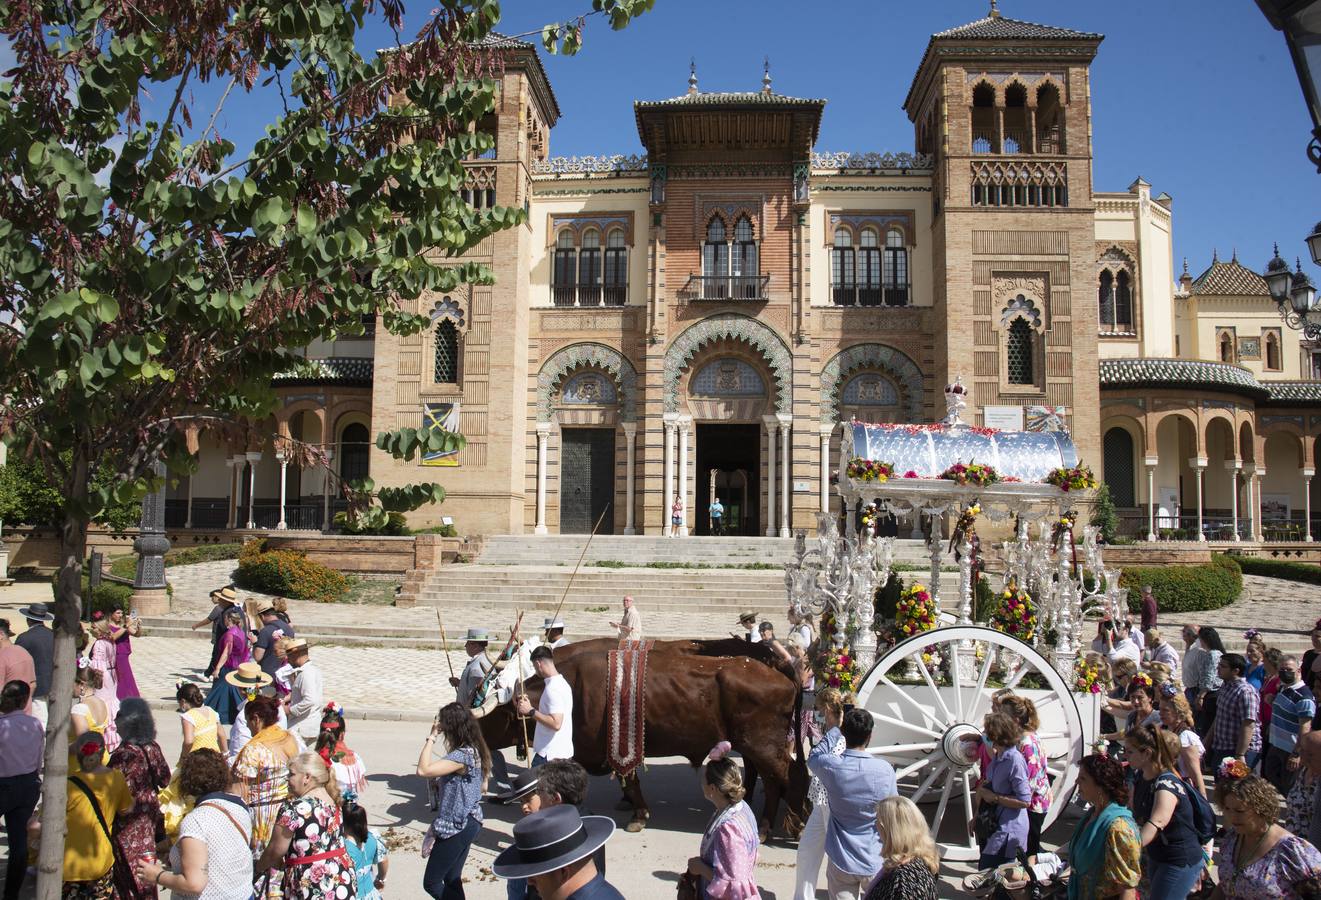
pixel 1171 882
pixel 443 878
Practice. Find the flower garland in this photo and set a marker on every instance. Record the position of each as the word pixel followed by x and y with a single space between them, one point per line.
pixel 869 516
pixel 1077 478
pixel 1232 769
pixel 1016 615
pixel 1063 530
pixel 929 427
pixel 964 526
pixel 974 473
pixel 860 469
pixel 1087 677
pixel 915 612
pixel 840 669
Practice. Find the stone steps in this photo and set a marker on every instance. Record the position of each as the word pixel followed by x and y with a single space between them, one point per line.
pixel 519 550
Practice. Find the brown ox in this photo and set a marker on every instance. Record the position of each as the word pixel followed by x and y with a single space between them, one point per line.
pixel 697 694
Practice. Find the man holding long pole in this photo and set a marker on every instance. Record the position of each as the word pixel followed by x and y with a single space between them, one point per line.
pixel 475 671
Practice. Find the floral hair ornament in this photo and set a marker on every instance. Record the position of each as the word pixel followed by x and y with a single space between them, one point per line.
pixel 333 708
pixel 1232 769
pixel 179 684
pixel 83 662
pixel 1142 678
pixel 1168 689
pixel 89 747
pixel 98 616
pixel 719 751
pixel 1251 634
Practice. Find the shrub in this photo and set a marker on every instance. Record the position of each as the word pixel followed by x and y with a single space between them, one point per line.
pixel 1104 517
pixel 288 574
pixel 1279 568
pixel 442 530
pixel 107 596
pixel 187 556
pixel 393 523
pixel 887 598
pixel 1186 588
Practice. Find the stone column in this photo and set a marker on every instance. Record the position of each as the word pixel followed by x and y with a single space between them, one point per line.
pixel 670 422
pixel 771 424
pixel 232 521
pixel 1151 462
pixel 1251 511
pixel 188 514
pixel 826 432
pixel 685 424
pixel 630 441
pixel 786 474
pixel 1233 465
pixel 150 594
pixel 254 457
pixel 543 434
pixel 326 524
pixel 284 488
pixel 1308 474
pixel 1199 466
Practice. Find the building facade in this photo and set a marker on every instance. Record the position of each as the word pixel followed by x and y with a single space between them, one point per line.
pixel 695 322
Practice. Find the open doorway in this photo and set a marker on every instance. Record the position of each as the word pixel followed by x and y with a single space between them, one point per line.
pixel 728 467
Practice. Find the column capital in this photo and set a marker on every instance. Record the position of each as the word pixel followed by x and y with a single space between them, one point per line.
pixel 253 456
pixel 785 419
pixel 630 428
pixel 1198 462
pixel 543 429
pixel 1151 461
pixel 670 419
pixel 827 430
pixel 1308 472
pixel 1233 465
pixel 771 422
pixel 685 423
pixel 281 457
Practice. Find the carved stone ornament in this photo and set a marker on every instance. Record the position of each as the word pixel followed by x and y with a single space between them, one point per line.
pixel 872 160
pixel 876 356
pixel 750 331
pixel 599 356
pixel 582 165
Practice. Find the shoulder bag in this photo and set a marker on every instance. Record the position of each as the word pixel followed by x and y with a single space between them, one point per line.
pixel 96 807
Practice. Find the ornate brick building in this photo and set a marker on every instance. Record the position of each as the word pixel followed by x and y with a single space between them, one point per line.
pixel 696 321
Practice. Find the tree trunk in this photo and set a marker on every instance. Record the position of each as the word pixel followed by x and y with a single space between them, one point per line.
pixel 68 628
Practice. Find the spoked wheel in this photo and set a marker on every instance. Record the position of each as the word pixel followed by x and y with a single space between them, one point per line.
pixel 924 701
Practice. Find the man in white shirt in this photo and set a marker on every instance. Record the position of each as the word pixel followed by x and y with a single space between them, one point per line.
pixel 305 692
pixel 1113 643
pixel 555 638
pixel 1135 633
pixel 748 622
pixel 630 624
pixel 553 738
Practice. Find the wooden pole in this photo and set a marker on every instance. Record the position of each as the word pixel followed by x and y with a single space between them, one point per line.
pixel 444 644
pixel 581 556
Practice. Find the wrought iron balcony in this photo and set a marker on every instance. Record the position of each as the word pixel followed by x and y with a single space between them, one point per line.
pixel 752 288
pixel 887 295
pixel 589 294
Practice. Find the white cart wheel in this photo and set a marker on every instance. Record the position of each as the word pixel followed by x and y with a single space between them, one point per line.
pixel 922 711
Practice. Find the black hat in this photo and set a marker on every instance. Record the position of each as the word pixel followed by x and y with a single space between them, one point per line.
pixel 37 612
pixel 523 785
pixel 550 840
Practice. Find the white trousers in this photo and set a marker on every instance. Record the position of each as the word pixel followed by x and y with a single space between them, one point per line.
pixel 39 711
pixel 845 885
pixel 811 851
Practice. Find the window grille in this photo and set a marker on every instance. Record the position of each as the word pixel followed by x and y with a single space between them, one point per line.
pixel 1123 303
pixel 1019 353
pixel 715 261
pixel 563 286
pixel 842 269
pixel 589 270
pixel 896 269
pixel 447 353
pixel 1105 299
pixel 1118 455
pixel 616 269
pixel 869 269
pixel 744 262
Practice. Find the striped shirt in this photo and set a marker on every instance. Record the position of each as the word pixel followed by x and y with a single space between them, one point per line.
pixel 1293 705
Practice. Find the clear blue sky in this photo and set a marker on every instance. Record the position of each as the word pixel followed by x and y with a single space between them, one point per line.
pixel 1196 96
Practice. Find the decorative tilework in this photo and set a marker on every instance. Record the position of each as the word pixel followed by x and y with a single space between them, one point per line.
pixel 735 327
pixel 589 388
pixel 727 378
pixel 889 360
pixel 869 389
pixel 563 361
pixel 347 371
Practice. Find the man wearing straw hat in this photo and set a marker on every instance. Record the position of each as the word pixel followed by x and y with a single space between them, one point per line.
pixel 272 629
pixel 555 633
pixel 553 850
pixel 221 600
pixel 475 671
pixel 305 701
pixel 249 679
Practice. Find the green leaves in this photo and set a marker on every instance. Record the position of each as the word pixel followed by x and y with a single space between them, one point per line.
pixel 410 497
pixel 406 443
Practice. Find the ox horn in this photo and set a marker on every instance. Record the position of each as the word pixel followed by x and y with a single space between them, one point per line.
pixel 488 705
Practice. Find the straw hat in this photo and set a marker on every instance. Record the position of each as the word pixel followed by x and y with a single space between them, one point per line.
pixel 293 645
pixel 248 675
pixel 746 617
pixel 264 606
pixel 226 593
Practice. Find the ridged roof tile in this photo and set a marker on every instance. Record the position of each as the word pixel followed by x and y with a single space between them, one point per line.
pixel 1230 279
pixel 1179 373
pixel 343 370
pixel 999 28
pixel 742 98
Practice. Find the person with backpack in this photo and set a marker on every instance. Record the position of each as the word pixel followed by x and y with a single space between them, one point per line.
pixel 1164 806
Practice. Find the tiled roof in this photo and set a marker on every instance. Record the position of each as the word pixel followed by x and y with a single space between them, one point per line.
pixel 1231 279
pixel 730 98
pixel 1179 373
pixel 342 370
pixel 997 27
pixel 1284 392
pixel 496 41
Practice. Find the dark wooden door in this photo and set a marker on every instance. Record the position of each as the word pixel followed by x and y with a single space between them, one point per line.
pixel 587 479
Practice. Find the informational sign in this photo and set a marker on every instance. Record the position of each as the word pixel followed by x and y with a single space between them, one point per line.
pixel 1046 418
pixel 1004 418
pixel 445 417
pixel 802 487
pixel 1274 506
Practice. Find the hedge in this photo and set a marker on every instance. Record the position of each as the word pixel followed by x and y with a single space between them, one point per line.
pixel 1280 568
pixel 1186 588
pixel 288 574
pixel 127 566
pixel 107 596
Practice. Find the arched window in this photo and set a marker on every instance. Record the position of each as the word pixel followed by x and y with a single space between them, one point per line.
pixel 447 352
pixel 715 261
pixel 1226 347
pixel 869 269
pixel 896 269
pixel 616 269
pixel 745 261
pixel 1020 352
pixel 983 119
pixel 589 269
pixel 564 278
pixel 1105 300
pixel 1015 120
pixel 1050 120
pixel 842 271
pixel 1118 456
pixel 354 452
pixel 1271 351
pixel 1123 303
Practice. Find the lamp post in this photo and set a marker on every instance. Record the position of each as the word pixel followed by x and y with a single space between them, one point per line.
pixel 1293 291
pixel 1300 20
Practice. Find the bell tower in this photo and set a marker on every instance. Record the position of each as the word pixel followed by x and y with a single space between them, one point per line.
pixel 1004 107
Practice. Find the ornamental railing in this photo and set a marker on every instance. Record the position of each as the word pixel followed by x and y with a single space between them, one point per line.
pixel 750 288
pixel 885 295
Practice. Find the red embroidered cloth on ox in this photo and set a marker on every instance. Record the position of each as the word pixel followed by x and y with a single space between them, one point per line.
pixel 628 709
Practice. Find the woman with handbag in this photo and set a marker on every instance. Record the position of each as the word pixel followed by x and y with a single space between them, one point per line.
pixel 1001 802
pixel 1105 852
pixel 1164 812
pixel 262 768
pixel 308 842
pixel 96 795
pixel 462 772
pixel 728 861
pixel 812 841
pixel 145 770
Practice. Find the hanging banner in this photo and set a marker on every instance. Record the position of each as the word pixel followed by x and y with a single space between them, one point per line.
pixel 444 417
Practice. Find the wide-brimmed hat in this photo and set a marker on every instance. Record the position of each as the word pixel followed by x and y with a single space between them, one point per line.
pixel 480 635
pixel 550 840
pixel 523 785
pixel 226 593
pixel 248 675
pixel 747 616
pixel 265 605
pixel 37 612
pixel 554 623
pixel 294 644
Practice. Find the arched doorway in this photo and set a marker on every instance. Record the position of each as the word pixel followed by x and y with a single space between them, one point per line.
pixel 1119 470
pixel 727 396
pixel 354 452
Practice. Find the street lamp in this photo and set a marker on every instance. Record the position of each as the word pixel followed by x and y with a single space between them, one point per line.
pixel 1293 292
pixel 1300 20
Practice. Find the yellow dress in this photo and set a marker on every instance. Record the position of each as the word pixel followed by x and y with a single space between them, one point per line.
pixel 105 729
pixel 206 727
pixel 175 804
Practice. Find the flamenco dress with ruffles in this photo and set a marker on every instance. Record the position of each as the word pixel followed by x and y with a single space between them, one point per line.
pixel 224 698
pixel 125 684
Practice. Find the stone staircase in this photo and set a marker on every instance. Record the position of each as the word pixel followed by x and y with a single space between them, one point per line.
pixel 642 550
